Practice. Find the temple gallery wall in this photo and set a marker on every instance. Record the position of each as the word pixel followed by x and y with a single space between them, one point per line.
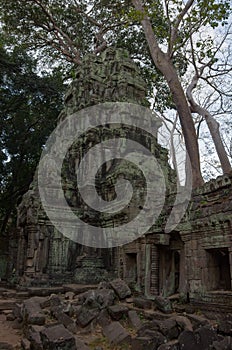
pixel 194 260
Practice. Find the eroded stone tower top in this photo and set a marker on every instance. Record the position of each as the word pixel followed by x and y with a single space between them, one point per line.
pixel 110 77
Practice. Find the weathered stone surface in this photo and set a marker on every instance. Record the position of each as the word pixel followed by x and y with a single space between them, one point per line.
pixel 99 298
pixel 86 315
pixel 188 341
pixel 80 345
pixel 103 318
pixel 163 304
pixel 197 321
pixel 225 325
pixel 64 319
pixel 17 311
pixel 54 300
pixel 201 339
pixel 34 337
pixel 183 322
pixel 117 311
pixel 171 345
pixel 134 319
pixel 224 344
pixel 116 334
pixel 164 329
pixel 69 295
pixel 205 336
pixel 149 330
pixel 142 303
pixel 26 344
pixel 141 343
pixel 32 312
pixel 57 337
pixel 121 288
pixel 169 329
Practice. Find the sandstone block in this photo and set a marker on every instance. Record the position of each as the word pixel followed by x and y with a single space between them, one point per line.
pixel 163 304
pixel 32 312
pixel 134 319
pixel 141 343
pixel 117 311
pixel 121 288
pixel 57 337
pixel 116 334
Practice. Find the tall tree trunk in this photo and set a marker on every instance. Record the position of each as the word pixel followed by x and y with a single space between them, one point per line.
pixel 212 124
pixel 166 67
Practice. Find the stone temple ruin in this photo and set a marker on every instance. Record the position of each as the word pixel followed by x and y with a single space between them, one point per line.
pixel 194 260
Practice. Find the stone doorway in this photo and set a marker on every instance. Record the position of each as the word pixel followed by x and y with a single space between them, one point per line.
pixel 219 277
pixel 170 266
pixel 131 268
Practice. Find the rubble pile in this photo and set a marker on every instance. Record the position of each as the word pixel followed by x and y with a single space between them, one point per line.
pixel 109 317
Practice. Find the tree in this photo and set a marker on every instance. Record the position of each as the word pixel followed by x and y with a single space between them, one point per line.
pixel 75 27
pixel 210 69
pixel 29 106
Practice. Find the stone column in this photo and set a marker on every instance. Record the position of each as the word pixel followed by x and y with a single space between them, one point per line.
pixel 154 289
pixel 32 249
pixel 147 280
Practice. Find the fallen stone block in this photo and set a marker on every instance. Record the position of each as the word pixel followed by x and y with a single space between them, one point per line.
pixel 116 334
pixel 188 341
pixel 163 304
pixel 25 344
pixel 141 343
pixel 118 311
pixel 67 321
pixel 197 321
pixel 34 337
pixel 121 288
pixel 32 312
pixel 169 329
pixel 103 318
pixel 57 337
pixel 80 345
pixel 86 315
pixel 54 300
pixel 103 285
pixel 100 298
pixel 17 324
pixel 18 311
pixel 225 325
pixel 205 336
pixel 224 344
pixel 134 319
pixel 156 336
pixel 142 303
pixel 184 323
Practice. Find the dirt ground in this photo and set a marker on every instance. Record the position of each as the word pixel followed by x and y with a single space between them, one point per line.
pixel 8 334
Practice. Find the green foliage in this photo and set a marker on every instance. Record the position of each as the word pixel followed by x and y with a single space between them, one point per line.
pixel 29 105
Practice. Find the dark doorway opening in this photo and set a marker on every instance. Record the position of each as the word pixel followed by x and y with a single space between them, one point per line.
pixel 219 277
pixel 131 267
